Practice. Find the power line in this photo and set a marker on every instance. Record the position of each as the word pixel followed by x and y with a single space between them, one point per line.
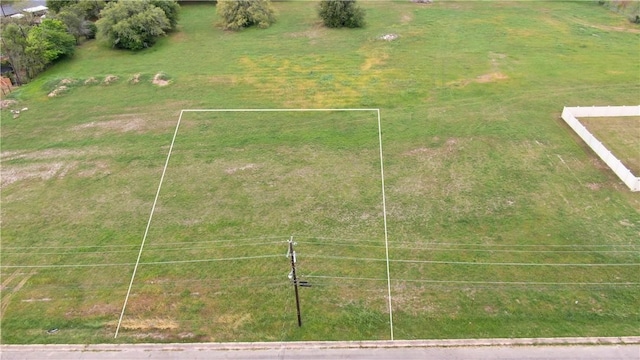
pixel 148 250
pixel 476 282
pixel 136 246
pixel 400 247
pixel 141 263
pixel 467 262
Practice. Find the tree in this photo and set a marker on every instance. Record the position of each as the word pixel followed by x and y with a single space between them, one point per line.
pixel 14 46
pixel 341 13
pixel 132 25
pixel 237 14
pixel 50 40
pixel 73 18
pixel 171 9
pixel 57 5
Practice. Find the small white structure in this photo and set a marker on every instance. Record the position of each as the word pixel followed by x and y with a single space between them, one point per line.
pixel 570 115
pixel 37 10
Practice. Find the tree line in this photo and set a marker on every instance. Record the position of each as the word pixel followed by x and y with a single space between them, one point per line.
pixel 31 45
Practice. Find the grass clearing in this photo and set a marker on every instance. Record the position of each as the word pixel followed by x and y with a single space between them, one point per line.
pixel 479 168
pixel 621 135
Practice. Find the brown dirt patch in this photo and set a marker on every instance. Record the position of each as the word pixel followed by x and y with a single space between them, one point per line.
pixel 36 171
pixel 41 155
pixel 492 77
pixel 124 125
pixel 406 18
pixel 240 168
pixel 146 324
pixel 482 79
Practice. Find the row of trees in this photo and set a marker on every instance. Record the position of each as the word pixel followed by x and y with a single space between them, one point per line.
pixel 134 25
pixel 31 45
pixel 237 14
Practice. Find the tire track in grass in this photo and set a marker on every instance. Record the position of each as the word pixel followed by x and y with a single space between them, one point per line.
pixel 6 299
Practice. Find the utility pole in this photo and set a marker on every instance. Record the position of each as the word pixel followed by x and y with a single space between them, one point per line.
pixel 292 255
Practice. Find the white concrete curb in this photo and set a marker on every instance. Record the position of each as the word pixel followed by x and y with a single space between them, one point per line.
pixel 625 340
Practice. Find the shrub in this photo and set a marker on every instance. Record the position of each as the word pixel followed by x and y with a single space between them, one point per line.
pixel 341 13
pixel 244 13
pixel 132 25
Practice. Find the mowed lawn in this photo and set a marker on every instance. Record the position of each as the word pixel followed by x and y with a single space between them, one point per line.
pixel 500 222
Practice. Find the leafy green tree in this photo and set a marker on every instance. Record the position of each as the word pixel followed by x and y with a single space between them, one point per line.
pixel 237 14
pixel 170 8
pixel 341 13
pixel 73 18
pixel 50 40
pixel 57 5
pixel 92 8
pixel 132 25
pixel 14 46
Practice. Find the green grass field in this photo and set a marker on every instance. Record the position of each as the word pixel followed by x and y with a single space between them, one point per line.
pixel 501 222
pixel 621 134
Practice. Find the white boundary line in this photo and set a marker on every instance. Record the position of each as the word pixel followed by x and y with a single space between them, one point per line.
pixel 384 207
pixel 146 231
pixel 386 237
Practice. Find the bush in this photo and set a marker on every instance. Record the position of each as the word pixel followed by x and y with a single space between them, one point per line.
pixel 341 13
pixel 133 25
pixel 237 14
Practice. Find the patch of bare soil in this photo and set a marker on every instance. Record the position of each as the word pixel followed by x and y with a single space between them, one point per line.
pixel 240 168
pixel 148 324
pixel 482 79
pixel 159 80
pixel 91 81
pixel 41 155
pixel 35 171
pixel 125 125
pixel 492 77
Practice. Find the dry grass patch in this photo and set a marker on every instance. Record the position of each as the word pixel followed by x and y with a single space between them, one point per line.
pixel 14 174
pixel 146 324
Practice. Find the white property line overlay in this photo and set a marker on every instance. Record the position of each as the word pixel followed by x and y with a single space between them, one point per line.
pixel 166 164
pixel 570 116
